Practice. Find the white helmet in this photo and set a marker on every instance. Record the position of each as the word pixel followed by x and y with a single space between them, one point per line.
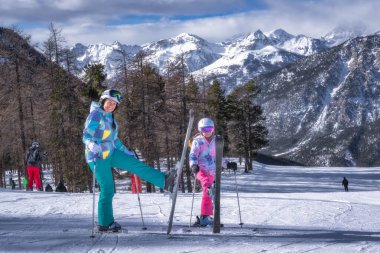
pixel 114 95
pixel 205 122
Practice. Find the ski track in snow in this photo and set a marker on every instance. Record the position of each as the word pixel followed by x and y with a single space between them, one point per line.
pixel 279 209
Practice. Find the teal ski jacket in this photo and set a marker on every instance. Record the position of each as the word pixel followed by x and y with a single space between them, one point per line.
pixel 98 130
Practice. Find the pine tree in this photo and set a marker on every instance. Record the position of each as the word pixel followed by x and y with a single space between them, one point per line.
pixel 217 110
pixel 94 79
pixel 247 124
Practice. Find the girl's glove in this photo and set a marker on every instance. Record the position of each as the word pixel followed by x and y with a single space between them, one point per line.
pixel 195 168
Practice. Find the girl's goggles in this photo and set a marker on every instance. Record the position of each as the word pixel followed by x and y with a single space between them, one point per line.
pixel 207 129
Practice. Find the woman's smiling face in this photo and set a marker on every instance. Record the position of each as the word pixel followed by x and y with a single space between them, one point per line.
pixel 109 105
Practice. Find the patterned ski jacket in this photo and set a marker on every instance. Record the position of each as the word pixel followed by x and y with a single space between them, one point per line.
pixel 98 130
pixel 202 153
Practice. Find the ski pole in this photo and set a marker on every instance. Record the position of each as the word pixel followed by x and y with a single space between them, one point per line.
pixel 138 197
pixel 93 201
pixel 237 194
pixel 192 202
pixel 138 194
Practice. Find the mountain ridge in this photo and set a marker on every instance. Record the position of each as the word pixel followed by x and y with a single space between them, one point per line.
pixel 249 54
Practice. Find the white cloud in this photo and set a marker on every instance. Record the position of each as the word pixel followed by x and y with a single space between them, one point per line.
pixel 86 21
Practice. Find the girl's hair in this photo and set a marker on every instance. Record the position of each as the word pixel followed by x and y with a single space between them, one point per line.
pixel 113 116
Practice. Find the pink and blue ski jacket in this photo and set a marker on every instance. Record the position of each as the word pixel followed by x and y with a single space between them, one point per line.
pixel 202 153
pixel 98 129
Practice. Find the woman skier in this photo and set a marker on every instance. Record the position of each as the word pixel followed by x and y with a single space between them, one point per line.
pixel 105 150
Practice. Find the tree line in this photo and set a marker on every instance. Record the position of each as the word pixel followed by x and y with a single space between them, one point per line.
pixel 44 100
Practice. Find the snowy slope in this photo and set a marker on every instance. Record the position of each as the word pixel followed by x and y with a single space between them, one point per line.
pixel 284 209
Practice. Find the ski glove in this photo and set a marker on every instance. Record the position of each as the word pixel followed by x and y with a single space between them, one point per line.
pixel 94 148
pixel 195 168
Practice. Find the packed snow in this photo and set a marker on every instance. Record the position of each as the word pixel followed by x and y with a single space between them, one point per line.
pixel 284 209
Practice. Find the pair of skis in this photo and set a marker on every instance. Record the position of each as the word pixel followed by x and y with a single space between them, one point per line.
pixel 179 167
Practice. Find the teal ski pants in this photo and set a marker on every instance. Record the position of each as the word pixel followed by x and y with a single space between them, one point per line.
pixel 104 177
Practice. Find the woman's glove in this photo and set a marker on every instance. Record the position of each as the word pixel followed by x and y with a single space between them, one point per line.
pixel 94 148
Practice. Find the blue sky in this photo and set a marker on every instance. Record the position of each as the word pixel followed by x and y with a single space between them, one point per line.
pixel 142 21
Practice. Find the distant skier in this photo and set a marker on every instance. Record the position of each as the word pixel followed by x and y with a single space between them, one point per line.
pixel 12 183
pixel 105 150
pixel 34 157
pixel 202 163
pixel 345 184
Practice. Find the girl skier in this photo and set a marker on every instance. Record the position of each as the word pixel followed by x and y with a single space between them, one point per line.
pixel 105 150
pixel 202 163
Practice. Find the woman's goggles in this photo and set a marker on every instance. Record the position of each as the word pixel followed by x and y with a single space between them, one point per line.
pixel 116 94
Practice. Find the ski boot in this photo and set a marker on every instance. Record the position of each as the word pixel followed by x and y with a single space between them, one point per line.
pixel 197 223
pixel 114 227
pixel 206 220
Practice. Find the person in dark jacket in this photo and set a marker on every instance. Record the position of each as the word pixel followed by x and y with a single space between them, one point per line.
pixel 33 158
pixel 12 183
pixel 48 188
pixel 61 187
pixel 345 184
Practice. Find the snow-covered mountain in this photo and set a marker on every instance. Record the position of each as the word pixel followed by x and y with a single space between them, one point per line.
pixel 110 56
pixel 257 53
pixel 342 33
pixel 196 52
pixel 233 61
pixel 325 108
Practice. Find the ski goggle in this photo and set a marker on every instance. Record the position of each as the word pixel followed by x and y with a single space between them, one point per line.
pixel 207 129
pixel 116 94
